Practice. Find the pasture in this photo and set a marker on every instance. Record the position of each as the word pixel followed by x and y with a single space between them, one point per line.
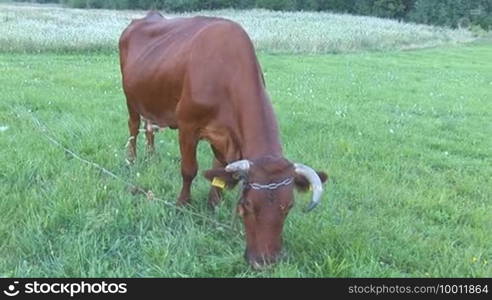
pixel 404 136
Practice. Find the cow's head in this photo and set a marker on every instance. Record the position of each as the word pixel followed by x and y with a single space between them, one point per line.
pixel 267 197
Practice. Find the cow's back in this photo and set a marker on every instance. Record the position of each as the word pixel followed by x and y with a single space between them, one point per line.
pixel 158 39
pixel 196 71
pixel 154 53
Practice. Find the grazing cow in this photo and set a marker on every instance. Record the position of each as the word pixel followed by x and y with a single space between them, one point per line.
pixel 201 76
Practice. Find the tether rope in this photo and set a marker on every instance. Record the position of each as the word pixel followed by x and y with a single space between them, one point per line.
pixel 44 130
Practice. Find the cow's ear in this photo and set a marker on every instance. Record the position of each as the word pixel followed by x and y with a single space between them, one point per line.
pixel 220 178
pixel 302 184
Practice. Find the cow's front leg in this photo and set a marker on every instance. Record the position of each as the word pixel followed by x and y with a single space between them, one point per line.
pixel 215 194
pixel 189 166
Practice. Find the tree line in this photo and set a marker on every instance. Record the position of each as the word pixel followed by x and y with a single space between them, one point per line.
pixel 453 13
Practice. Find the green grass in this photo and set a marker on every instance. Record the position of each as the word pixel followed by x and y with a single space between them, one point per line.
pixel 405 137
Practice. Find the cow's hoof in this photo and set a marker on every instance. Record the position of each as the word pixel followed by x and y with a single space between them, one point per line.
pixel 152 157
pixel 214 198
pixel 151 152
pixel 183 202
pixel 213 201
pixel 130 161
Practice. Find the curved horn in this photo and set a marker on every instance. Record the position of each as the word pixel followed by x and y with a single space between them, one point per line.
pixel 315 182
pixel 240 165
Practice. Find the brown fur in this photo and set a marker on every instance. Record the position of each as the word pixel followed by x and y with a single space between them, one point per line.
pixel 201 76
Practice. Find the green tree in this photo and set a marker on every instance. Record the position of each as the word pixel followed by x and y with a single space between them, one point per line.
pixel 389 8
pixel 452 12
pixel 277 4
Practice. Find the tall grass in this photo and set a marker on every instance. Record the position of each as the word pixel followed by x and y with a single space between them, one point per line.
pixel 39 28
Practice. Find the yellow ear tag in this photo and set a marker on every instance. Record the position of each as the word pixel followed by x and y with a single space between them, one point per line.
pixel 218 182
pixel 310 188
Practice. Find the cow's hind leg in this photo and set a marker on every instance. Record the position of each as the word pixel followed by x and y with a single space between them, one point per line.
pixel 187 144
pixel 215 194
pixel 133 126
pixel 149 134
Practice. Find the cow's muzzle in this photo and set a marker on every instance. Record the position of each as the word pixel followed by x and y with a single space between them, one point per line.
pixel 260 262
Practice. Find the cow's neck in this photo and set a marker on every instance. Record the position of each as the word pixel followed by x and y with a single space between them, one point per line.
pixel 259 130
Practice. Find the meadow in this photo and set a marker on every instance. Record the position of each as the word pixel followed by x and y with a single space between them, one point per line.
pixel 404 135
pixel 35 28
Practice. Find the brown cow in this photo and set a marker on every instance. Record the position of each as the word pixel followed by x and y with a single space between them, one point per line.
pixel 201 75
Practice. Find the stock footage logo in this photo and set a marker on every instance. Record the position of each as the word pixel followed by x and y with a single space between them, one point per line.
pixel 65 288
pixel 11 290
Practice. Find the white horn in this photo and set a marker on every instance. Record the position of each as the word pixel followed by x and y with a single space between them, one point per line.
pixel 240 165
pixel 315 182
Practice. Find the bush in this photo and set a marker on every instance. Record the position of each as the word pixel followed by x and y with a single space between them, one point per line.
pixel 389 8
pixel 277 4
pixel 169 5
pixel 110 4
pixel 453 13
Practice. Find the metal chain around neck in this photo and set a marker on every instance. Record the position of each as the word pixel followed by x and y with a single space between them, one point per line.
pixel 271 186
pixel 243 184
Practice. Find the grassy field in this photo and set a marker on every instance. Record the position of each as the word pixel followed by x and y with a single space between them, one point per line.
pixel 405 137
pixel 28 28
